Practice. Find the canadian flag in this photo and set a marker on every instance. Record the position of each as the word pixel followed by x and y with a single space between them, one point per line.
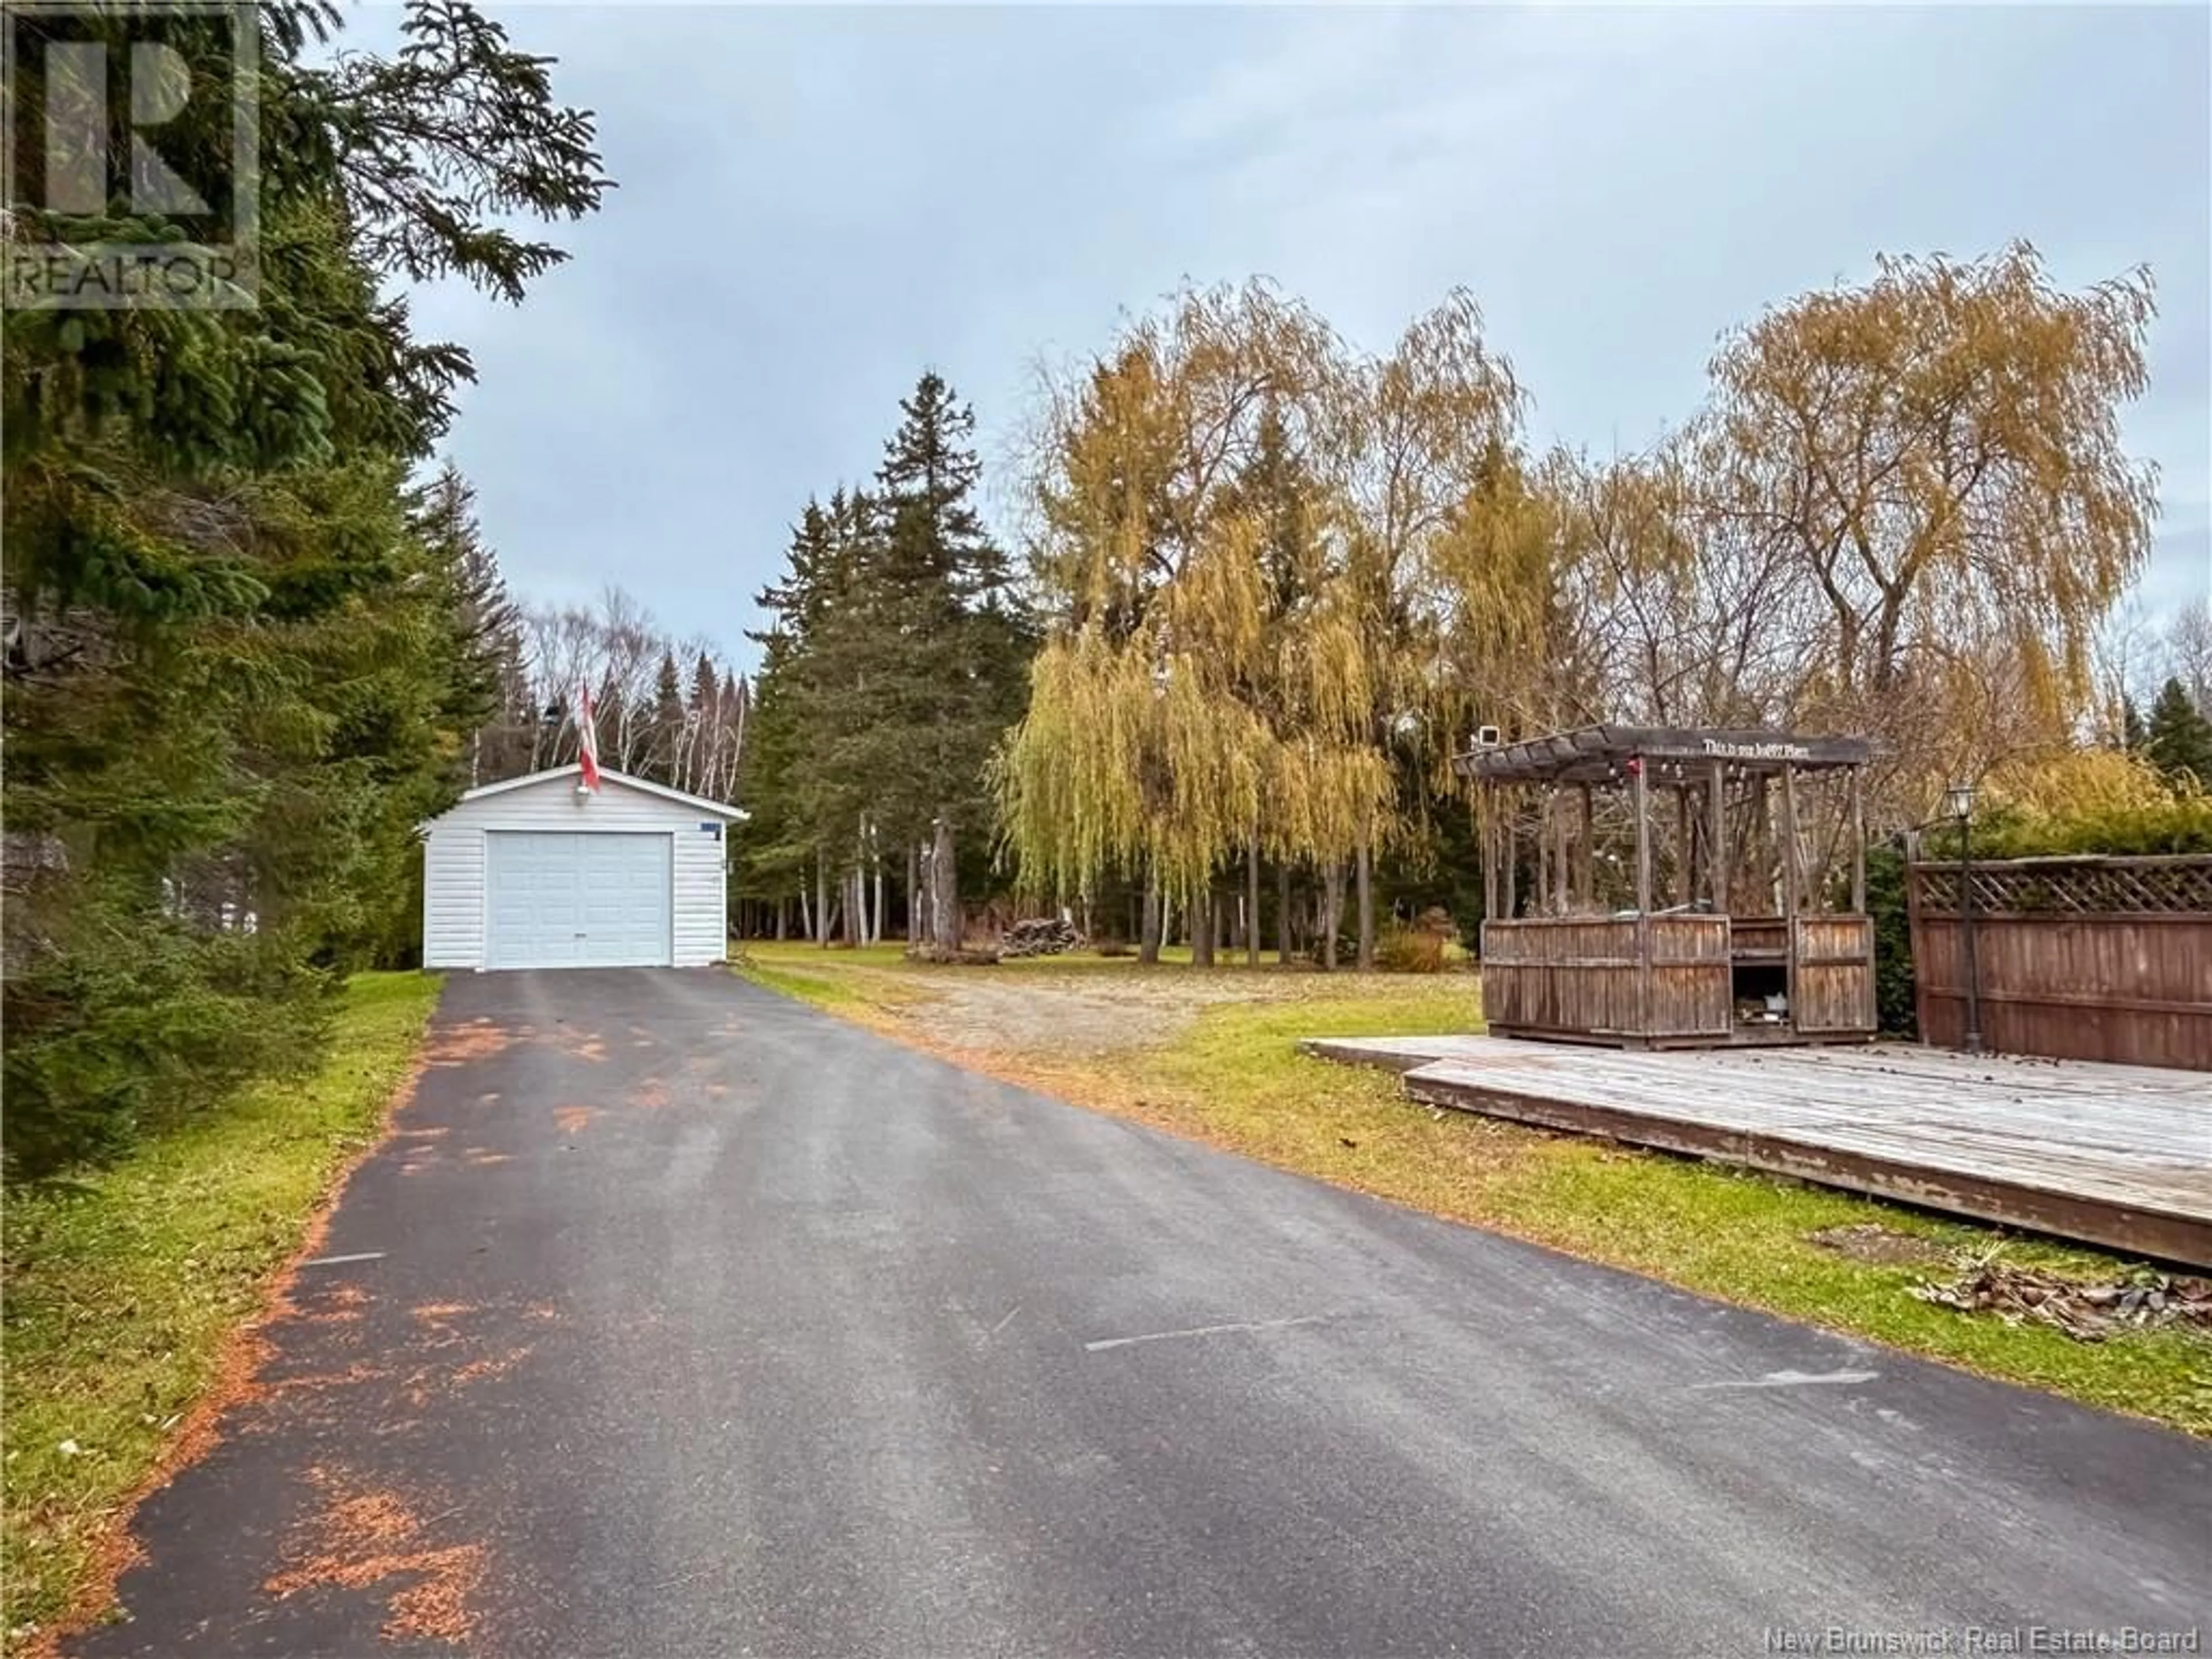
pixel 587 738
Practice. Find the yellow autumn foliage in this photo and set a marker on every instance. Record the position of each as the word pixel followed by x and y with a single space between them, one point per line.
pixel 2077 784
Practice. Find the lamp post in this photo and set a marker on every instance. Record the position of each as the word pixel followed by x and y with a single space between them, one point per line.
pixel 1959 803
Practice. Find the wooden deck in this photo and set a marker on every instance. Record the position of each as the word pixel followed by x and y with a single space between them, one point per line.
pixel 2119 1156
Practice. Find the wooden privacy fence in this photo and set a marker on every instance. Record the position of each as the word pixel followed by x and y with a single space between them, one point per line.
pixel 2080 958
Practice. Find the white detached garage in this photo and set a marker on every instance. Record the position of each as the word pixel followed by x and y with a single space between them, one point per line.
pixel 543 872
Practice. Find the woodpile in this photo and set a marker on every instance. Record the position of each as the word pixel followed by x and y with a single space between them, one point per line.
pixel 1040 936
pixel 2086 1312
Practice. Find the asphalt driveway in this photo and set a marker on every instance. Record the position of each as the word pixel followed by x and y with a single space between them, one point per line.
pixel 679 1319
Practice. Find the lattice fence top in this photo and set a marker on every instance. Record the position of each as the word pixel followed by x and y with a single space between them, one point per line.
pixel 2180 885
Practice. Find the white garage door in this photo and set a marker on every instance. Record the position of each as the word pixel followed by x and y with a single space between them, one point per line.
pixel 559 899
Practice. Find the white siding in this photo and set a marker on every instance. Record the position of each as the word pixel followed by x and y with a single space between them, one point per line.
pixel 452 896
pixel 702 906
pixel 453 867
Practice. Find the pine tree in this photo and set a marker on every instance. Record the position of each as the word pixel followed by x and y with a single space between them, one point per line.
pixel 247 664
pixel 940 553
pixel 2177 740
pixel 950 653
pixel 665 738
pixel 779 845
pixel 485 629
pixel 894 659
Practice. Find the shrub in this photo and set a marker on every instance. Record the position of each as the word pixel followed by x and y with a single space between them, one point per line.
pixel 1895 1009
pixel 134 1028
pixel 1409 951
pixel 2182 824
pixel 2079 786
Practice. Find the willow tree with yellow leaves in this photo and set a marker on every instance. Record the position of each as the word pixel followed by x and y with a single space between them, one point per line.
pixel 1935 455
pixel 1904 510
pixel 1284 579
pixel 1255 546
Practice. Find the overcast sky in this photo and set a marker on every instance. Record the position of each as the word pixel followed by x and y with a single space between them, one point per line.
pixel 816 202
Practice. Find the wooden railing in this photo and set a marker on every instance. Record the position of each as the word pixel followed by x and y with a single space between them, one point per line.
pixel 1563 974
pixel 1615 976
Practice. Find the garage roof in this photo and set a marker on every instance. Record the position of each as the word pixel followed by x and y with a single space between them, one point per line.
pixel 719 808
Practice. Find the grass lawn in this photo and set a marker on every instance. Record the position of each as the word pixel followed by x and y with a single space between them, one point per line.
pixel 123 1289
pixel 1229 1073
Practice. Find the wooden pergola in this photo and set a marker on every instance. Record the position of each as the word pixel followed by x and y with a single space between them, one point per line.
pixel 1726 928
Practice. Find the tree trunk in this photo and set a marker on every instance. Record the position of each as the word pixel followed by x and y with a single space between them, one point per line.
pixel 806 916
pixel 1332 912
pixel 913 894
pixel 945 889
pixel 856 885
pixel 1367 880
pixel 1283 914
pixel 1252 902
pixel 1148 938
pixel 783 916
pixel 1201 927
pixel 876 922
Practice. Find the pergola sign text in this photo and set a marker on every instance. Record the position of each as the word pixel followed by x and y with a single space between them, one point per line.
pixel 1758 751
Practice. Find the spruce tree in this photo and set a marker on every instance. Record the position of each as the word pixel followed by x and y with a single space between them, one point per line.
pixel 249 662
pixel 951 653
pixel 779 845
pixel 2177 740
pixel 896 659
pixel 485 627
pixel 895 662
